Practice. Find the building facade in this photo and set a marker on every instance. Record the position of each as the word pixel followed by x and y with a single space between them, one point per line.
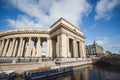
pixel 94 49
pixel 63 40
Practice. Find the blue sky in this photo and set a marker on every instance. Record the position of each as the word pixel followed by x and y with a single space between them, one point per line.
pixel 98 19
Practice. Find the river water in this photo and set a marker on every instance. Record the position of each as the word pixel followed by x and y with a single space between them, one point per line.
pixel 88 72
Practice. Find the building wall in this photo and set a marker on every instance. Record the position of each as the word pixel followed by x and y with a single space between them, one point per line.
pixel 94 49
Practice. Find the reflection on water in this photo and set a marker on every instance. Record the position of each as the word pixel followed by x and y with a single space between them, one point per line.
pixel 87 72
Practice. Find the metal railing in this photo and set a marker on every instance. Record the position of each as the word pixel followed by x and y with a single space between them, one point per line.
pixel 18 59
pixel 37 59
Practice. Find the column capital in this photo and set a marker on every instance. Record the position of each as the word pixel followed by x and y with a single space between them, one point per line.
pixel 39 37
pixel 8 39
pixel 81 40
pixel 29 37
pixel 21 38
pixel 48 38
pixel 14 37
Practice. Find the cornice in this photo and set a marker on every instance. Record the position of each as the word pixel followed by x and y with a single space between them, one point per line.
pixel 72 30
pixel 13 32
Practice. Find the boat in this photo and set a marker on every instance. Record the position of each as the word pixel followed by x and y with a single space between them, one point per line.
pixel 6 75
pixel 46 72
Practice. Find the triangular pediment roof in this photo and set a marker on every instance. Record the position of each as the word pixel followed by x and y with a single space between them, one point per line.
pixel 65 22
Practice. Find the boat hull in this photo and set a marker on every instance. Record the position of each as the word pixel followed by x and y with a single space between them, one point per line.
pixel 52 72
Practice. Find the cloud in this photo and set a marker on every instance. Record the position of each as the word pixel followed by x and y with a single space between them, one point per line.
pixel 24 22
pixel 104 8
pixel 103 41
pixel 116 46
pixel 46 12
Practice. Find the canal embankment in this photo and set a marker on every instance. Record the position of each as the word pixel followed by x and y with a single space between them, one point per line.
pixel 20 67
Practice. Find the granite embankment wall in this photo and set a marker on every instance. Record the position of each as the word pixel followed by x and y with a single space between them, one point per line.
pixel 76 63
pixel 20 67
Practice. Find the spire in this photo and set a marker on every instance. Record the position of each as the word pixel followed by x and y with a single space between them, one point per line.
pixel 94 42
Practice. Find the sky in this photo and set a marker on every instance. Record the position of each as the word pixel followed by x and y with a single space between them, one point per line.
pixel 98 19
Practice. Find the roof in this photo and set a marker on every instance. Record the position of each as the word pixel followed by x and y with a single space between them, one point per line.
pixel 65 22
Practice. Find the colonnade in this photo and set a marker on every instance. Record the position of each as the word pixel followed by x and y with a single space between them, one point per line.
pixel 23 47
pixel 76 48
pixel 69 47
pixel 58 46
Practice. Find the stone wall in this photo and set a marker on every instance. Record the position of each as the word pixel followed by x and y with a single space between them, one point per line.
pixel 20 67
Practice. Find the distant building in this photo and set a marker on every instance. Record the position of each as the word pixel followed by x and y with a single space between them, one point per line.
pixel 94 49
pixel 108 52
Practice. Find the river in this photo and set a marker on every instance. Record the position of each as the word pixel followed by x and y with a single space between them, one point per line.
pixel 88 72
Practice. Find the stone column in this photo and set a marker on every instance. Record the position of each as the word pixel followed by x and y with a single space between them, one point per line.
pixel 58 47
pixel 63 47
pixel 0 43
pixel 22 47
pixel 67 42
pixel 5 48
pixel 13 43
pixel 50 48
pixel 54 48
pixel 35 48
pixel 33 51
pixel 28 53
pixel 84 52
pixel 1 47
pixel 19 49
pixel 15 48
pixel 39 48
pixel 8 51
pixel 75 48
pixel 81 49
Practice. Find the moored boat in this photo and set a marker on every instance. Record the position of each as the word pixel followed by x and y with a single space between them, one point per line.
pixel 46 72
pixel 6 75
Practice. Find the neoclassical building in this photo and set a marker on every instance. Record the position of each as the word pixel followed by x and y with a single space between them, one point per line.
pixel 63 40
pixel 94 49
